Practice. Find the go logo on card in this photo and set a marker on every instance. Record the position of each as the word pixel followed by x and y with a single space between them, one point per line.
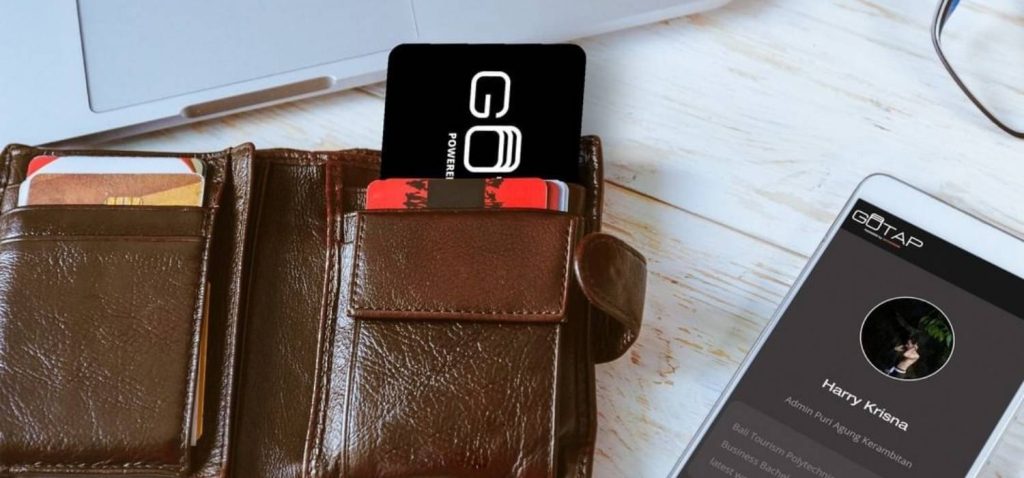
pixel 510 139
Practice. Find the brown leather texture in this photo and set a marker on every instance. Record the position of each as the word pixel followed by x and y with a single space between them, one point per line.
pixel 342 342
pixel 100 312
pixel 613 276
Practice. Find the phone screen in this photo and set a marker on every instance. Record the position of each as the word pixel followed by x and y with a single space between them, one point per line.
pixel 897 357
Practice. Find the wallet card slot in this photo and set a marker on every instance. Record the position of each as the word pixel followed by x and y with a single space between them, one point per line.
pixel 16 159
pixel 507 265
pixel 88 220
pixel 99 341
pixel 281 305
pixel 445 311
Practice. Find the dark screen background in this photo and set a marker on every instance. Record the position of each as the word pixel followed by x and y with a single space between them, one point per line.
pixel 950 414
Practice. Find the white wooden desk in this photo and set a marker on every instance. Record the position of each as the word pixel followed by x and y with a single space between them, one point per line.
pixel 732 139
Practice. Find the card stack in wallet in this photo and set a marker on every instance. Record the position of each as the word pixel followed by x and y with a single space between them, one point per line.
pixel 335 340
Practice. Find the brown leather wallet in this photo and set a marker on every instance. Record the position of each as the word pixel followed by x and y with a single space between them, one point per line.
pixel 335 342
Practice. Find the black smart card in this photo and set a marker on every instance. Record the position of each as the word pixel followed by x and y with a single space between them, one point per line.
pixel 463 111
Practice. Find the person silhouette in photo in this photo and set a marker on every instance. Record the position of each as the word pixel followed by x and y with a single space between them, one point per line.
pixel 904 355
pixel 907 338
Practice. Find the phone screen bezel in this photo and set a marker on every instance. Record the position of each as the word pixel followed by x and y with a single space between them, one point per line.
pixel 925 212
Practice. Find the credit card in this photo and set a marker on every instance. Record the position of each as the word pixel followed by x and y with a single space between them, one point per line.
pixel 475 111
pixel 470 193
pixel 558 195
pixel 113 181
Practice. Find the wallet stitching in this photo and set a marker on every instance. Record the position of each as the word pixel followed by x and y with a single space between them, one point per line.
pixel 353 353
pixel 583 379
pixel 556 369
pixel 356 292
pixel 577 375
pixel 293 161
pixel 331 298
pixel 323 378
pixel 317 412
pixel 5 174
pixel 361 158
pixel 8 159
pixel 43 467
pixel 41 237
pixel 350 379
pixel 595 205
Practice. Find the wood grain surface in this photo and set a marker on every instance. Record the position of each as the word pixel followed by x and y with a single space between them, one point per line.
pixel 733 138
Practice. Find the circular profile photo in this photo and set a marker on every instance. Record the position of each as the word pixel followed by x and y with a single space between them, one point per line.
pixel 906 338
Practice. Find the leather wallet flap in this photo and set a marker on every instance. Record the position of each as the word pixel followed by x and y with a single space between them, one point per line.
pixel 613 276
pixel 510 265
pixel 118 326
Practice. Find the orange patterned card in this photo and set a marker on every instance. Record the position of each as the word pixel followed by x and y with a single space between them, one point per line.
pixel 113 181
pixel 117 189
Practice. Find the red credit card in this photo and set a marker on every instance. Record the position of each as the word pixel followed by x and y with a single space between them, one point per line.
pixel 469 193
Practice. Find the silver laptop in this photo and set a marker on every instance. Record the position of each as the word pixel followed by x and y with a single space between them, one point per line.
pixel 76 72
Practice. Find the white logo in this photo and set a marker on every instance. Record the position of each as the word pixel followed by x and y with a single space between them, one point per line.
pixel 487 98
pixel 876 225
pixel 508 152
pixel 510 139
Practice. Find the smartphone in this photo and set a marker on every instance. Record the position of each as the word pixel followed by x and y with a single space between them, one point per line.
pixel 898 352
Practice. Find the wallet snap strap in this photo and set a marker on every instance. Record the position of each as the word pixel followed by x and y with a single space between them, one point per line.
pixel 613 277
